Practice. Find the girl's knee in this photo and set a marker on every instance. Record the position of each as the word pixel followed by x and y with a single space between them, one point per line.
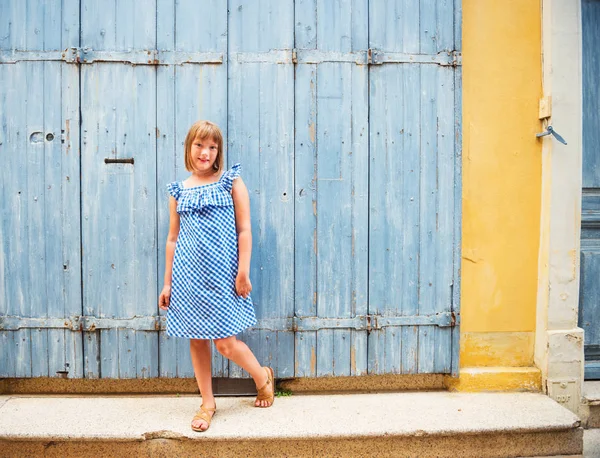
pixel 225 346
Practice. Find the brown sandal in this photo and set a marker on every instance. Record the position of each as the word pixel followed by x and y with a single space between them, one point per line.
pixel 267 391
pixel 204 414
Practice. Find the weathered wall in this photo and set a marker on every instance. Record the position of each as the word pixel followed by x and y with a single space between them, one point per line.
pixel 502 85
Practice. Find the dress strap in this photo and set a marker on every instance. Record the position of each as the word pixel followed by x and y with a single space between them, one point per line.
pixel 174 189
pixel 231 175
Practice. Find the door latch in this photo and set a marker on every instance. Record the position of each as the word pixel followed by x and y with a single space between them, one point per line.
pixel 550 131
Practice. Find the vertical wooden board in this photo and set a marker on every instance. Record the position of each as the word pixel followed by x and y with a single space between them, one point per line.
pixel 342 190
pixel 184 360
pixel 305 206
pixel 35 25
pixel 409 358
pixel 589 303
pixel 212 36
pixel 457 224
pixel 91 355
pixel 394 199
pixel 305 179
pixel 39 360
pixel 146 355
pixel 61 216
pixel 393 350
pixel 394 25
pixel 429 213
pixel 325 338
pixel 359 353
pixel 341 205
pixel 13 224
pixel 128 353
pixel 167 356
pixel 342 344
pixel 261 137
pixel 436 26
pixel 305 358
pixel 7 358
pixel 590 63
pixel 119 122
pixel 124 25
pixel 305 23
pixel 169 153
pixel 110 353
pixel 447 236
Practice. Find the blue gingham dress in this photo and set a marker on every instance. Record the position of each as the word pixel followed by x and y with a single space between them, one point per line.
pixel 204 303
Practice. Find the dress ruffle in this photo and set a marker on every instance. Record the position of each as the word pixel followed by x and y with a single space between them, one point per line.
pixel 216 194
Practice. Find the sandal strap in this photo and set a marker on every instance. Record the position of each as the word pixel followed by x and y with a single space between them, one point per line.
pixel 204 414
pixel 265 392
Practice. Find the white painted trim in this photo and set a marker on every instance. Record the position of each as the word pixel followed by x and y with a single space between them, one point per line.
pixel 559 342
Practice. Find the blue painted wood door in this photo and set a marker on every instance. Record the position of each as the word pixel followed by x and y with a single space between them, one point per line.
pixel 589 298
pixel 346 118
pixel 40 263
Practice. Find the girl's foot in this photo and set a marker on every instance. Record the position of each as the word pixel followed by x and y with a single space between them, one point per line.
pixel 203 417
pixel 266 393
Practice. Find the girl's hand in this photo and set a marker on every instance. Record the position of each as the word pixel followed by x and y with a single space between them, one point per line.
pixel 242 285
pixel 165 298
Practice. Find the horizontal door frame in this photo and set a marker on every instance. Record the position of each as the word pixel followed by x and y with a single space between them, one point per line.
pixel 291 324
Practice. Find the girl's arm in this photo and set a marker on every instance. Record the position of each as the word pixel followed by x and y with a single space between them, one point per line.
pixel 165 295
pixel 241 201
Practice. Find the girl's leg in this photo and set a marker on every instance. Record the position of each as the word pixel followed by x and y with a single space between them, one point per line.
pixel 238 352
pixel 201 360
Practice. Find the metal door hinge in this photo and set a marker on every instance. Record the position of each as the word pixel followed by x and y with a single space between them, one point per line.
pixel 88 55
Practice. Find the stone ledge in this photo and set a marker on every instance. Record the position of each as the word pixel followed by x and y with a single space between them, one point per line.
pixel 385 424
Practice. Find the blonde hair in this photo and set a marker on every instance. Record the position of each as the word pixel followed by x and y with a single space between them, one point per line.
pixel 202 130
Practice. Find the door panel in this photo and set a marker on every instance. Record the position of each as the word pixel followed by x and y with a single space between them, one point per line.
pixel 346 119
pixel 589 303
pixel 39 226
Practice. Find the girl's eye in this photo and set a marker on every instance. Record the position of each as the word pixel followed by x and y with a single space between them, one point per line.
pixel 213 147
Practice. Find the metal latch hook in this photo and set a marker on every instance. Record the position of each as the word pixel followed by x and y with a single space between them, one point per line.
pixel 551 131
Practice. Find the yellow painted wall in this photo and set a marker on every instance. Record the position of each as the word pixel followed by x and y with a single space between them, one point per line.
pixel 502 85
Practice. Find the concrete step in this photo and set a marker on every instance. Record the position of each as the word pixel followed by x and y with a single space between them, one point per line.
pixel 591 399
pixel 421 424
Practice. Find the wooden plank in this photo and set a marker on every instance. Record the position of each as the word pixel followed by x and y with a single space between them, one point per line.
pixel 590 248
pixel 589 302
pixel 331 195
pixel 305 179
pixel 261 137
pixel 455 332
pixel 394 205
pixel 118 124
pixel 590 61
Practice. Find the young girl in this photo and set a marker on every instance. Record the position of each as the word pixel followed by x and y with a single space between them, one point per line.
pixel 207 285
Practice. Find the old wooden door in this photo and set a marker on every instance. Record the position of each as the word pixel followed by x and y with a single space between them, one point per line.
pixel 40 264
pixel 346 118
pixel 589 299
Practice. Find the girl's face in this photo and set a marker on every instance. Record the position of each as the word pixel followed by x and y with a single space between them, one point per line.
pixel 204 153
